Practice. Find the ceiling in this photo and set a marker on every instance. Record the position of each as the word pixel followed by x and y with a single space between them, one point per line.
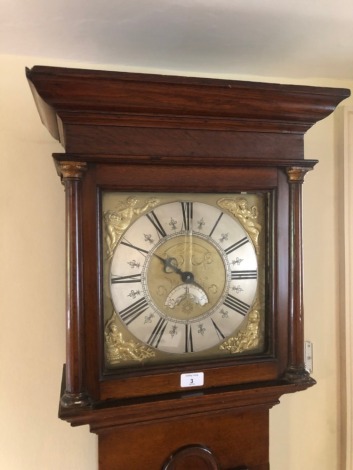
pixel 286 38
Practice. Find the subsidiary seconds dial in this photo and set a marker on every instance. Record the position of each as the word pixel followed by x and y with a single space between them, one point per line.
pixel 183 277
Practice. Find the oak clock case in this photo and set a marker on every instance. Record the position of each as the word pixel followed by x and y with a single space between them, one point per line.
pixel 184 277
pixel 184 259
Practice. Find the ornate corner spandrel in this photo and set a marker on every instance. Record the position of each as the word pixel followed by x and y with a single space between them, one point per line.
pixel 119 349
pixel 247 338
pixel 246 214
pixel 117 220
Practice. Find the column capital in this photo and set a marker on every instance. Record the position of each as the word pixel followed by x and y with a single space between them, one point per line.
pixel 296 174
pixel 71 170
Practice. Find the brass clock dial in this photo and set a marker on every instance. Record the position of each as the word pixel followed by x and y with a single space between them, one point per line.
pixel 182 272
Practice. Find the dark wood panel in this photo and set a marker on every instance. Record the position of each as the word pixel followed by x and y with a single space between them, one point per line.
pixel 185 142
pixel 182 179
pixel 234 439
pixel 145 383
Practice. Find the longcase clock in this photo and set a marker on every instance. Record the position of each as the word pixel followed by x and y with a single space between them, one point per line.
pixel 184 260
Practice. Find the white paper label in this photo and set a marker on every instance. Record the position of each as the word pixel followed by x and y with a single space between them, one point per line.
pixel 194 379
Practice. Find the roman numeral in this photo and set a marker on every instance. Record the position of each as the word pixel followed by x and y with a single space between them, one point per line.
pixel 130 245
pixel 236 245
pixel 187 208
pixel 129 314
pixel 126 279
pixel 156 224
pixel 215 225
pixel 157 333
pixel 219 332
pixel 189 347
pixel 236 305
pixel 249 274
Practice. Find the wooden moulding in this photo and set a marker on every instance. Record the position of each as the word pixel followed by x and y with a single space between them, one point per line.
pixel 137 114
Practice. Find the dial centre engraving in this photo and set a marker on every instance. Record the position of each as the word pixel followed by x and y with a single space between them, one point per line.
pixel 186 276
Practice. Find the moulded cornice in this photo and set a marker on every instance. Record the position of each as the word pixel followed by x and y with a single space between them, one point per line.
pixel 78 97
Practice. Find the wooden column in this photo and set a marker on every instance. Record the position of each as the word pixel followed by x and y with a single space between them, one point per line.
pixel 296 364
pixel 74 395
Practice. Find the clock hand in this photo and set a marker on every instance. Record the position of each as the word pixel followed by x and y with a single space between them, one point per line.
pixel 170 265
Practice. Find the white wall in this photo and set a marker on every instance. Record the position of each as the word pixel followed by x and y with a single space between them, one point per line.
pixel 304 427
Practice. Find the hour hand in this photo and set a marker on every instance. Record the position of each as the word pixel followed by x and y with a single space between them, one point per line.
pixel 171 266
